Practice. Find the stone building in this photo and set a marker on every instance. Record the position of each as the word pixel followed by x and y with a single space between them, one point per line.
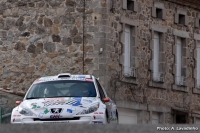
pixel 145 52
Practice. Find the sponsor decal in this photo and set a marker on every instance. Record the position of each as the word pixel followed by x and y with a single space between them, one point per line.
pixel 35 107
pixel 56 110
pixel 86 101
pixel 90 80
pixel 70 110
pixel 98 112
pixel 40 115
pixel 54 101
pixel 46 111
pixel 53 79
pixel 55 116
pixel 76 101
pixel 16 115
pixel 57 122
pixel 81 76
pixel 98 122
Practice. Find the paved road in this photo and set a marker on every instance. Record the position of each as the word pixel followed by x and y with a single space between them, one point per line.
pixel 59 128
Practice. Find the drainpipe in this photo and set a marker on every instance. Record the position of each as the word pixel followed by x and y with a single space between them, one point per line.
pixel 83 35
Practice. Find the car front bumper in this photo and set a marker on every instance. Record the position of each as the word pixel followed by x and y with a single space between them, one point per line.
pixel 82 120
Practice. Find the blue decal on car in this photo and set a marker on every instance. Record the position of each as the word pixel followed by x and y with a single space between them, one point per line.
pixel 81 76
pixel 69 110
pixel 98 122
pixel 78 101
pixel 40 115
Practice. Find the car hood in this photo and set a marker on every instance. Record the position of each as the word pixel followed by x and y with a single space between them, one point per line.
pixel 58 107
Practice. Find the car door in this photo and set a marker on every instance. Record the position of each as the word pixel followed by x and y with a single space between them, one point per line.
pixel 108 104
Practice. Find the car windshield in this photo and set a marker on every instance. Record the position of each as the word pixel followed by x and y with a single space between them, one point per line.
pixel 63 88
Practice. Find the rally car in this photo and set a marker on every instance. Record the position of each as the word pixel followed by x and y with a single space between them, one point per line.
pixel 65 98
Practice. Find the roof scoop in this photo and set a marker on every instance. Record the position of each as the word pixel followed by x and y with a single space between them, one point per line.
pixel 64 75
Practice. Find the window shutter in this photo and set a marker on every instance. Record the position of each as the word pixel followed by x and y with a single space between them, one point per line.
pixel 153 12
pixel 196 23
pixel 176 18
pixel 136 6
pixel 163 14
pixel 186 20
pixel 124 4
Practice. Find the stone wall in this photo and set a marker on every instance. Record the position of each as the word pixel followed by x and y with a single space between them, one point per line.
pixel 40 38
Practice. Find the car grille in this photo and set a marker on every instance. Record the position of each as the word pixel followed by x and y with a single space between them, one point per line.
pixel 57 119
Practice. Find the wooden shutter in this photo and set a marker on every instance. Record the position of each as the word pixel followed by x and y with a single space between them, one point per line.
pixel 153 12
pixel 176 18
pixel 196 23
pixel 186 20
pixel 124 3
pixel 136 6
pixel 163 14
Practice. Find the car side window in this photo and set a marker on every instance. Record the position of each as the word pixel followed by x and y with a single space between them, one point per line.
pixel 102 95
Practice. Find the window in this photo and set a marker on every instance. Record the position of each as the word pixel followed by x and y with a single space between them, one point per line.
pixel 181 61
pixel 158 10
pixel 130 5
pixel 129 70
pixel 181 17
pixel 159 13
pixel 180 117
pixel 64 88
pixel 158 58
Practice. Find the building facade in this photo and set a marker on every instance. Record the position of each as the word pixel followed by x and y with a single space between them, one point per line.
pixel 145 52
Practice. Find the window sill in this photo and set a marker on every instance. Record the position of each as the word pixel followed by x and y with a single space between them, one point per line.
pixel 129 80
pixel 196 90
pixel 180 88
pixel 160 85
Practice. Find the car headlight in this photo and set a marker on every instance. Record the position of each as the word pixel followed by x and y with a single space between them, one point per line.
pixel 25 111
pixel 89 109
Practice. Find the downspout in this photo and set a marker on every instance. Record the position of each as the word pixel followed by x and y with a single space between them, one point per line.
pixel 83 35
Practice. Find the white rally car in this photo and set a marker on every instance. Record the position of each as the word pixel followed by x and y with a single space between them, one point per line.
pixel 65 98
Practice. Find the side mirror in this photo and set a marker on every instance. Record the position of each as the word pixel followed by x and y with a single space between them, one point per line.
pixel 18 102
pixel 97 78
pixel 106 100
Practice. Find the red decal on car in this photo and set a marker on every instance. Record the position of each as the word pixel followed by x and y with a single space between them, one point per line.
pixel 16 115
pixel 100 112
pixel 95 112
pixel 90 80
